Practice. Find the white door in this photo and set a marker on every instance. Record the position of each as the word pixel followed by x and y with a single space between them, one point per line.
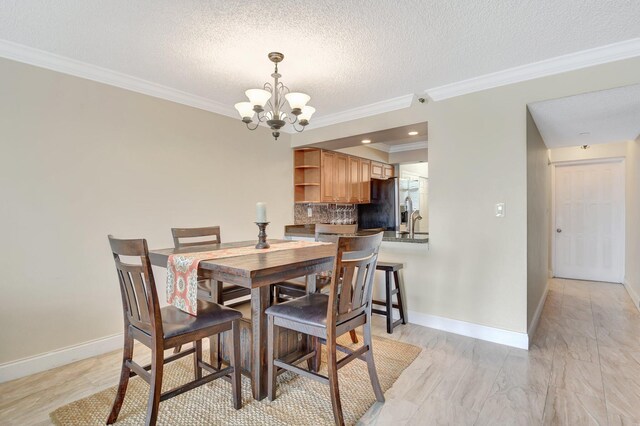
pixel 589 221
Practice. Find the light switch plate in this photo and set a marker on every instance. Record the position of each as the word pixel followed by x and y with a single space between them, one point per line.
pixel 309 212
pixel 500 210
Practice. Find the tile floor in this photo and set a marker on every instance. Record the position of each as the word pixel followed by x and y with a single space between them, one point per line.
pixel 583 368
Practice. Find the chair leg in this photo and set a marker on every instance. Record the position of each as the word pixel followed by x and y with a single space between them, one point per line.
pixel 373 375
pixel 234 359
pixel 215 349
pixel 332 370
pixel 317 359
pixel 157 367
pixel 354 337
pixel 127 355
pixel 389 302
pixel 273 339
pixel 197 357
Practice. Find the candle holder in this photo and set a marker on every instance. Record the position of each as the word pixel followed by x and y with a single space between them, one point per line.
pixel 262 235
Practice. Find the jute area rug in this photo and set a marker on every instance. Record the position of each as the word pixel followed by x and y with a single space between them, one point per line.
pixel 299 401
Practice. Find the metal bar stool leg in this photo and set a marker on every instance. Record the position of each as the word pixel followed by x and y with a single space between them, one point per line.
pixel 389 302
pixel 402 307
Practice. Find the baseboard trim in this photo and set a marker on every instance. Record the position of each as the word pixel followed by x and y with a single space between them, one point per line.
pixel 477 331
pixel 48 360
pixel 632 294
pixel 536 317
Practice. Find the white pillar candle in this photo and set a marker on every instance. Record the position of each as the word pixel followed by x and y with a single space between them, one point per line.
pixel 261 212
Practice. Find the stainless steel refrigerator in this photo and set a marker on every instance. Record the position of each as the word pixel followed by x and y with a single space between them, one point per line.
pixel 383 210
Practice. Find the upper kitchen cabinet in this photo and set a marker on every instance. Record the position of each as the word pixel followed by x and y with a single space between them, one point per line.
pixel 334 178
pixel 365 180
pixel 381 170
pixel 306 175
pixel 322 176
pixel 355 180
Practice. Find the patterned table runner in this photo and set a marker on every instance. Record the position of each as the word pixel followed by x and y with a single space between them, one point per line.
pixel 182 270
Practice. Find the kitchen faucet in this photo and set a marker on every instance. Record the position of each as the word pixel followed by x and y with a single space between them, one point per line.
pixel 412 216
pixel 415 215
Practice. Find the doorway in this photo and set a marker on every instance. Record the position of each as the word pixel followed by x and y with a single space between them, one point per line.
pixel 588 220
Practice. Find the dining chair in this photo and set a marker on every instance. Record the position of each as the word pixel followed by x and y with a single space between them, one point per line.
pixel 297 288
pixel 193 237
pixel 327 316
pixel 165 328
pixel 227 293
pixel 292 289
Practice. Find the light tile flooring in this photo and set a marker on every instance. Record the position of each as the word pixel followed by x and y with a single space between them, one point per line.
pixel 583 368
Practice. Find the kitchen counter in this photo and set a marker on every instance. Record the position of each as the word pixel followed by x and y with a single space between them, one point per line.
pixel 308 231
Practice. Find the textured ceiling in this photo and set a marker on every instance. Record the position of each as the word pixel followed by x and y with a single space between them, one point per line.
pixel 345 54
pixel 605 116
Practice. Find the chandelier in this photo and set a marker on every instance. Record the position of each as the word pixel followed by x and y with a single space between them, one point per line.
pixel 272 98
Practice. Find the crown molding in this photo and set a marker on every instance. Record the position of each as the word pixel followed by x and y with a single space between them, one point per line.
pixel 408 147
pixel 40 58
pixel 573 61
pixel 389 149
pixel 380 147
pixel 363 111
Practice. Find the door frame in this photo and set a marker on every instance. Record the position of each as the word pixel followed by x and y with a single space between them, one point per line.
pixel 552 220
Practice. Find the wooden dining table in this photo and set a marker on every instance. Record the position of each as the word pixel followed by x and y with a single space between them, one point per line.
pixel 258 272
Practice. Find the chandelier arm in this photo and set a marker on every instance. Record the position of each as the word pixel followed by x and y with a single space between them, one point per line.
pixel 296 128
pixel 295 119
pixel 254 127
pixel 268 87
pixel 261 118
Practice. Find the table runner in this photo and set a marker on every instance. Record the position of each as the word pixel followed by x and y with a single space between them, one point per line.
pixel 182 270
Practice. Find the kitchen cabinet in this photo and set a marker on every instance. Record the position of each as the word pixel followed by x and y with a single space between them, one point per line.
pixel 355 180
pixel 341 178
pixel 377 170
pixel 381 170
pixel 328 174
pixel 306 175
pixel 331 177
pixel 365 181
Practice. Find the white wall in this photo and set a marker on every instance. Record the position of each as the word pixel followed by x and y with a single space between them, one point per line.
pixel 476 267
pixel 80 160
pixel 538 193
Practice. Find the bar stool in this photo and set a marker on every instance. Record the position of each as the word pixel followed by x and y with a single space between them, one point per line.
pixel 390 268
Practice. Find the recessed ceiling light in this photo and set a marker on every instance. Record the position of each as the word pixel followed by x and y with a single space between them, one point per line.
pixel 366 140
pixel 413 133
pixel 584 133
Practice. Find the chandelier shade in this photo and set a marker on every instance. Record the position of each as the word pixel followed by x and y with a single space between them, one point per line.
pixel 245 109
pixel 269 104
pixel 258 97
pixel 297 100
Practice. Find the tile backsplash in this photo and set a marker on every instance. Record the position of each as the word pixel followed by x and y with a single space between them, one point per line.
pixel 324 213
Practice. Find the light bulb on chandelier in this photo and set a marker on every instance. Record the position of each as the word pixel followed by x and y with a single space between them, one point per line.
pixel 271 98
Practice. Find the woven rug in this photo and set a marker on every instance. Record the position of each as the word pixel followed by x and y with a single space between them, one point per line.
pixel 299 401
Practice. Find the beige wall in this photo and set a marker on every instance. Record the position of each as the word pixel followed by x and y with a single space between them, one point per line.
pixel 538 193
pixel 81 160
pixel 476 266
pixel 632 249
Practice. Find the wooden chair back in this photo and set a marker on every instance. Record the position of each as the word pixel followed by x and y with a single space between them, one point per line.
pixel 140 303
pixel 352 277
pixel 325 228
pixel 189 234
